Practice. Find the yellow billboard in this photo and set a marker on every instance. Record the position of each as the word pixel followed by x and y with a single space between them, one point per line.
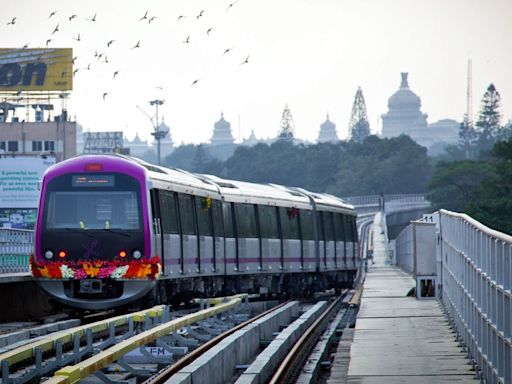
pixel 36 69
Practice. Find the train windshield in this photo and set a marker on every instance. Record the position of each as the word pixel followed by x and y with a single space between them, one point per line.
pixel 93 202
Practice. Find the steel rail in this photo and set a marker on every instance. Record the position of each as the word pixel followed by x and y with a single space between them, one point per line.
pixel 286 368
pixel 48 343
pixel 166 373
pixel 77 372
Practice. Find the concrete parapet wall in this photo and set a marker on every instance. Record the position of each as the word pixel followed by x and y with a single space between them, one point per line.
pixel 267 361
pixel 218 365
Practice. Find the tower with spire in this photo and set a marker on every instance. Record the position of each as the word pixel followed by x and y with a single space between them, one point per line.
pixel 327 132
pixel 286 127
pixel 222 132
pixel 358 127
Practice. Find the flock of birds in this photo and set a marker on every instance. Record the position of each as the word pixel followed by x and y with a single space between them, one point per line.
pixel 102 57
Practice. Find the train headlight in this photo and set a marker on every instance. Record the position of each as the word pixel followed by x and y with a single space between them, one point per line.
pixel 122 253
pixel 62 254
pixel 137 254
pixel 48 254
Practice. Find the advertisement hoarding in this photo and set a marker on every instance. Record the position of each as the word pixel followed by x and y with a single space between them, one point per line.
pixel 36 69
pixel 19 191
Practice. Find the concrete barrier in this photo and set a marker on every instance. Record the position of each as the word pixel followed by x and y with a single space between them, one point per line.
pixel 218 365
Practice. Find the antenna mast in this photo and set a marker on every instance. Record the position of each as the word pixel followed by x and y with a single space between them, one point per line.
pixel 469 94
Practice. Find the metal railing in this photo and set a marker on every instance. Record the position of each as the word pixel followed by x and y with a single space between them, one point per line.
pixel 376 200
pixel 477 284
pixel 16 245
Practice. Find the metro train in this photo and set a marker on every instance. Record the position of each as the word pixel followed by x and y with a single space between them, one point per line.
pixel 113 230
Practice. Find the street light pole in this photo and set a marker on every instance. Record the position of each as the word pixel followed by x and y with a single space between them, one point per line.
pixel 159 135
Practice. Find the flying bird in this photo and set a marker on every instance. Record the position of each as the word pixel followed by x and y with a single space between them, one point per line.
pixel 144 17
pixel 152 18
pixel 93 18
pixel 200 14
pixel 230 5
pixel 52 14
pixel 208 31
pixel 56 29
pixel 77 38
pixel 115 74
pixel 161 87
pixel 73 60
pixel 75 71
pixel 48 41
pixel 227 51
pixel 12 22
pixel 106 59
pixel 63 73
pixel 136 45
pixel 246 61
pixel 110 43
pixel 25 46
pixel 187 40
pixel 88 67
pixel 181 17
pixel 194 82
pixel 105 95
pixel 72 17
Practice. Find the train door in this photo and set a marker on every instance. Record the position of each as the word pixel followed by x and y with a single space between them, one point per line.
pixel 270 241
pixel 308 239
pixel 291 238
pixel 206 248
pixel 321 241
pixel 340 241
pixel 218 234
pixel 330 250
pixel 231 261
pixel 157 244
pixel 349 244
pixel 170 234
pixel 190 260
pixel 247 235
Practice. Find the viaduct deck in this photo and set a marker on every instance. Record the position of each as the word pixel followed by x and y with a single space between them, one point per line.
pixel 398 339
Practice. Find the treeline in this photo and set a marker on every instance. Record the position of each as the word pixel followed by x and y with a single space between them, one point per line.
pixel 395 165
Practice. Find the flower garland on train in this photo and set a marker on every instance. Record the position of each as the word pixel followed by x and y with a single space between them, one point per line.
pixel 115 269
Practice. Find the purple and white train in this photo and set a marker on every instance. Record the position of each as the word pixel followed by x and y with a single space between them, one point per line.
pixel 112 230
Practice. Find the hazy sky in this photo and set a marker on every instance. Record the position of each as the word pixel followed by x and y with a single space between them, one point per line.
pixel 311 55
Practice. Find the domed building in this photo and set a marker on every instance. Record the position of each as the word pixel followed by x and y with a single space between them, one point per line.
pixel 327 132
pixel 166 144
pixel 404 115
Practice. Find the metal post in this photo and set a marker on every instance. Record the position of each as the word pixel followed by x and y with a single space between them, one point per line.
pixel 157 134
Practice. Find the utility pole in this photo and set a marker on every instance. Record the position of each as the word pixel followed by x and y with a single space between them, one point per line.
pixel 159 135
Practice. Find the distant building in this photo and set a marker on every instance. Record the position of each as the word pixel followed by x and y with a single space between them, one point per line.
pixel 404 115
pixel 222 132
pixel 327 132
pixel 138 148
pixel 251 140
pixel 166 144
pixel 54 138
pixel 222 144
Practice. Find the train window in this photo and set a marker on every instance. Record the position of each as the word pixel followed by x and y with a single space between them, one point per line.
pixel 217 218
pixel 245 220
pixel 268 222
pixel 227 215
pixel 306 224
pixel 354 229
pixel 186 214
pixel 339 227
pixel 169 217
pixel 203 207
pixel 289 222
pixel 328 226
